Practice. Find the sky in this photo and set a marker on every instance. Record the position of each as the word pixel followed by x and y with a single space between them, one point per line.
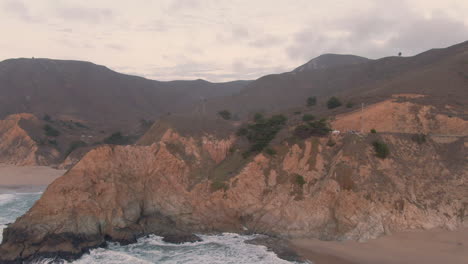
pixel 223 40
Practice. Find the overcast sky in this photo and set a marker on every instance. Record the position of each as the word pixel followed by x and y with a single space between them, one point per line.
pixel 221 40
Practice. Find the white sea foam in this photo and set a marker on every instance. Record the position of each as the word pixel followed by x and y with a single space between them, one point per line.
pixel 6 198
pixel 226 248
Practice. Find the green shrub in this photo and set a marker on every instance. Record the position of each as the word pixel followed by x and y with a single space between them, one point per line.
pixel 316 128
pixel 117 139
pixel 331 142
pixel 333 102
pixel 349 105
pixel 258 117
pixel 80 125
pixel 419 138
pixel 218 185
pixel 307 117
pixel 270 151
pixel 299 180
pixel 47 118
pixel 52 142
pixel 311 101
pixel 381 149
pixel 242 132
pixel 260 133
pixel 373 131
pixel 297 112
pixel 50 131
pixel 225 114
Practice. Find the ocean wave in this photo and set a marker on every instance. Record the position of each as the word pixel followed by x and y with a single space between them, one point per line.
pixel 215 249
pixel 6 198
pixel 226 248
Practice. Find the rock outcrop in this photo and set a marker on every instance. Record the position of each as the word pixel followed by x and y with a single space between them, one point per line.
pixel 17 147
pixel 308 189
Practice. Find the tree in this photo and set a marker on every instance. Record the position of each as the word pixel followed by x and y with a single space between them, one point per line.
pixel 381 149
pixel 225 114
pixel 333 102
pixel 399 54
pixel 311 101
pixel 258 117
pixel 307 117
pixel 50 131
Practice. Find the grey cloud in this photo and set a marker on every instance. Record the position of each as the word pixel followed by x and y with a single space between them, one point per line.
pixel 115 47
pixel 156 25
pixel 19 9
pixel 266 41
pixel 84 14
pixel 178 5
pixel 378 33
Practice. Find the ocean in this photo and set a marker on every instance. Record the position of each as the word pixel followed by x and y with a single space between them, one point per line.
pixel 215 249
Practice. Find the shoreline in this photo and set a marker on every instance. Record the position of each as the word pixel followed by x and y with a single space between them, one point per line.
pixel 433 246
pixel 26 178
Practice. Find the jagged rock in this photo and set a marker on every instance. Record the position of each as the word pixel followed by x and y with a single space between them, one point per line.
pixel 120 193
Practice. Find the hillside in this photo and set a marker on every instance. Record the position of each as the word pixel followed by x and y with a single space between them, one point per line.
pixel 441 74
pixel 94 94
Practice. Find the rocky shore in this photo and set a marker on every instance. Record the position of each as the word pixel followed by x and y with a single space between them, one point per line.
pixel 175 186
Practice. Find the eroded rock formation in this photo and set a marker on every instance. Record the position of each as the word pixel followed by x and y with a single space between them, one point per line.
pixel 168 188
pixel 16 144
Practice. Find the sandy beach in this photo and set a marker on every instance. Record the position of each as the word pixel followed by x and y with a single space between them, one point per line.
pixel 429 247
pixel 26 178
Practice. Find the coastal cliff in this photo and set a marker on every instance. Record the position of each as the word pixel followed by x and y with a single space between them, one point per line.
pixel 175 185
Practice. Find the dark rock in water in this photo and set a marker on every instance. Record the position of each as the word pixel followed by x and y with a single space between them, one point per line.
pixel 182 238
pixel 280 246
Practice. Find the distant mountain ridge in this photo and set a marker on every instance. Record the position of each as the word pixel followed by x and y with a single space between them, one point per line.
pixel 89 92
pixel 326 61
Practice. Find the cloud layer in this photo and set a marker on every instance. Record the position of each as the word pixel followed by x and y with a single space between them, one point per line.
pixel 224 40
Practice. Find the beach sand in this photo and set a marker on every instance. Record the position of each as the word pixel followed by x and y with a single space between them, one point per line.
pixel 429 247
pixel 26 178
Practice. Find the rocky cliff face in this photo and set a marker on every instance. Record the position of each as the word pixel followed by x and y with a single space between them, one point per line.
pixel 310 188
pixel 16 145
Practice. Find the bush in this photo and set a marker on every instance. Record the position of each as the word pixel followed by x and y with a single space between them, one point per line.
pixel 297 112
pixel 225 114
pixel 331 142
pixel 333 102
pixel 381 149
pixel 349 105
pixel 373 131
pixel 311 101
pixel 47 118
pixel 316 128
pixel 299 180
pixel 307 117
pixel 270 151
pixel 50 131
pixel 258 117
pixel 218 185
pixel 117 139
pixel 262 132
pixel 419 138
pixel 242 132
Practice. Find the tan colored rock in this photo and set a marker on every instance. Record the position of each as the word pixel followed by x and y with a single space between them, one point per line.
pixel 16 145
pixel 121 192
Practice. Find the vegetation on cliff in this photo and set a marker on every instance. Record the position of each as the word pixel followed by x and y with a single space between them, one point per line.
pixel 261 132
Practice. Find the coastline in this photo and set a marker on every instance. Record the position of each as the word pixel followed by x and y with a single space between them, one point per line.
pixel 422 246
